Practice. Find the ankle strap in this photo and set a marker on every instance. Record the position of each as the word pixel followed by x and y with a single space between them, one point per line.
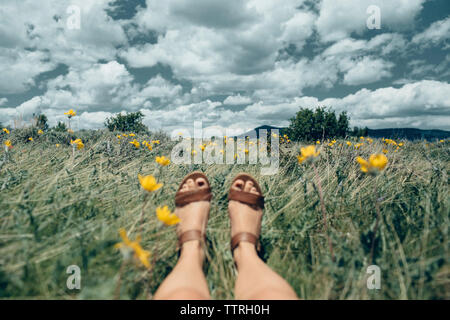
pixel 247 237
pixel 190 235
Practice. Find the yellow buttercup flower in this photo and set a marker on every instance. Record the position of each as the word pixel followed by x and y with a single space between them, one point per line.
pixel 134 246
pixel 385 151
pixel 349 143
pixel 164 215
pixel 162 161
pixel 5 130
pixel 119 136
pixel 30 139
pixel 40 131
pixel 377 162
pixel 156 142
pixel 70 113
pixel 307 153
pixel 149 183
pixel 364 164
pixel 132 135
pixel 318 142
pixel 78 143
pixel 8 143
pixel 135 143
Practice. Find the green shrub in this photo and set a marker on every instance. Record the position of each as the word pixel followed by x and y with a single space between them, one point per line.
pixel 130 122
pixel 319 124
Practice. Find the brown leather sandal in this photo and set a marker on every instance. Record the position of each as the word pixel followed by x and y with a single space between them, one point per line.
pixel 184 198
pixel 253 200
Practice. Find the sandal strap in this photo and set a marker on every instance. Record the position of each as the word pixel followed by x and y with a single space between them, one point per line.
pixel 184 198
pixel 247 198
pixel 190 235
pixel 247 237
pixel 203 194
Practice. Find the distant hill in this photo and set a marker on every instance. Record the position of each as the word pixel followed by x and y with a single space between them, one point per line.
pixel 268 128
pixel 408 133
pixel 392 133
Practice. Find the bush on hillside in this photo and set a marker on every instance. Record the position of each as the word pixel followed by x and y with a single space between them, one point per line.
pixel 130 122
pixel 319 124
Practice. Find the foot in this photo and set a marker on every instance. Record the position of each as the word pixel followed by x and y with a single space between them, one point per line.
pixel 193 216
pixel 244 218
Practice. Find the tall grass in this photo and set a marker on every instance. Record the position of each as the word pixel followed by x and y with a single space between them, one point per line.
pixel 56 211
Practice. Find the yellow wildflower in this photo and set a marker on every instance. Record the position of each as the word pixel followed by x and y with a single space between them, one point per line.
pixel 163 161
pixel 5 130
pixel 139 253
pixel 349 143
pixel 8 143
pixel 40 131
pixel 30 139
pixel 318 142
pixel 70 113
pixel 164 215
pixel 57 145
pixel 132 135
pixel 78 143
pixel 307 153
pixel 135 143
pixel 149 183
pixel 377 162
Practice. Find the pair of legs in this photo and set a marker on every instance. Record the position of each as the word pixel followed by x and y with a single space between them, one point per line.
pixel 255 279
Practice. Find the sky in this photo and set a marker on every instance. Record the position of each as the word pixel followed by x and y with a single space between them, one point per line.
pixel 233 64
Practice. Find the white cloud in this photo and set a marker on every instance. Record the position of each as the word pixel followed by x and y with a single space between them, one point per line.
pixel 3 101
pixel 437 32
pixel 237 100
pixel 42 25
pixel 367 70
pixel 20 67
pixel 422 104
pixel 339 19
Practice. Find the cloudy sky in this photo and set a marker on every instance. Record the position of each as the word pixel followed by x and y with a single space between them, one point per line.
pixel 236 64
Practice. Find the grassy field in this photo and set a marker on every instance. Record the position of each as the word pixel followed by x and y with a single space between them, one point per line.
pixel 58 210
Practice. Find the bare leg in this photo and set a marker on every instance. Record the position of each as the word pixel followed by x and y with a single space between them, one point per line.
pixel 187 281
pixel 255 279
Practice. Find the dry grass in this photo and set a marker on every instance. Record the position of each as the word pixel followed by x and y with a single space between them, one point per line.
pixel 56 211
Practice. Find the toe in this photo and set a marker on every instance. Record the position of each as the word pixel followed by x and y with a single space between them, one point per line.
pixel 238 185
pixel 248 186
pixel 254 191
pixel 201 183
pixel 190 183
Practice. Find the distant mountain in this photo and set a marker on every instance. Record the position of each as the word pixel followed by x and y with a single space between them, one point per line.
pixel 408 133
pixel 268 128
pixel 392 133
